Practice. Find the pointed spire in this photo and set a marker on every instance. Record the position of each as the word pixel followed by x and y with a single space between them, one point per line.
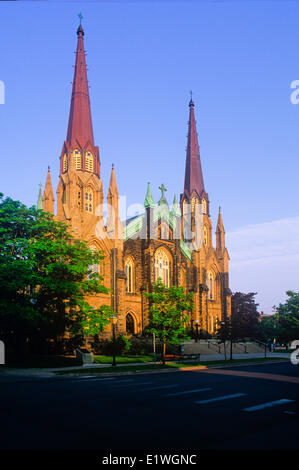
pixel 80 123
pixel 220 233
pixel 193 171
pixel 220 226
pixel 40 198
pixel 176 211
pixel 149 201
pixel 114 225
pixel 48 196
pixel 113 191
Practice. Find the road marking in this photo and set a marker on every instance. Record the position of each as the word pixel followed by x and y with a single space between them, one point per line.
pixel 269 404
pixel 136 383
pixel 157 388
pixel 224 397
pixel 94 379
pixel 252 375
pixel 187 391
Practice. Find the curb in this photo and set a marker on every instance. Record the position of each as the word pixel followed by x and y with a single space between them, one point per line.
pixel 181 369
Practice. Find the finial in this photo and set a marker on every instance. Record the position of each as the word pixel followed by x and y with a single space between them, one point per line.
pixel 191 100
pixel 219 208
pixel 49 168
pixel 163 190
pixel 80 29
pixel 112 166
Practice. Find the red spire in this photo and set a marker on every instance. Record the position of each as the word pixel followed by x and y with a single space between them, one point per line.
pixel 80 124
pixel 80 134
pixel 193 171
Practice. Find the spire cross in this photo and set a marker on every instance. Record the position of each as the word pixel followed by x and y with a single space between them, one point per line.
pixel 191 94
pixel 163 189
pixel 80 17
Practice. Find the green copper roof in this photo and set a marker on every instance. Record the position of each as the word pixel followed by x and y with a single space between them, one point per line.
pixel 149 202
pixel 40 198
pixel 176 210
pixel 185 250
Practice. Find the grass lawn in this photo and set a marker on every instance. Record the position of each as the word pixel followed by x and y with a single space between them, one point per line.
pixel 122 359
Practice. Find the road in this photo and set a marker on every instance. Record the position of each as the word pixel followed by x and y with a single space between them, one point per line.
pixel 248 407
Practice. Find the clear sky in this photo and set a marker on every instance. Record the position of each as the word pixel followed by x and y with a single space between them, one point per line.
pixel 238 57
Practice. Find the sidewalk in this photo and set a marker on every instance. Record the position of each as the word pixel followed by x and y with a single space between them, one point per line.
pixel 51 371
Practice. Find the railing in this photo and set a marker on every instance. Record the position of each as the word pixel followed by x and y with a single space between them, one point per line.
pixel 260 343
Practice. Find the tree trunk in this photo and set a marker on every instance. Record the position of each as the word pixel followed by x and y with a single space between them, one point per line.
pixel 163 352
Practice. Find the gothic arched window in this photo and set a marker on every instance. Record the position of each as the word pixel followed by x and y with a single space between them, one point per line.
pixel 77 159
pixel 89 161
pixel 194 201
pixel 130 324
pixel 129 270
pixel 65 163
pixel 205 236
pixel 211 292
pixel 93 268
pixel 88 200
pixel 204 206
pixel 162 266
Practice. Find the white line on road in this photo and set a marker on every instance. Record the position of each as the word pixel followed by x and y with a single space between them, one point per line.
pixel 269 404
pixel 157 388
pixel 94 379
pixel 135 383
pixel 187 391
pixel 224 397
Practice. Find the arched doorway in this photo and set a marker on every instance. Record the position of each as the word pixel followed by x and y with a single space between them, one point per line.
pixel 130 325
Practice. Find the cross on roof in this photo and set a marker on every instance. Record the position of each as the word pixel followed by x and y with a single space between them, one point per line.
pixel 163 190
pixel 80 17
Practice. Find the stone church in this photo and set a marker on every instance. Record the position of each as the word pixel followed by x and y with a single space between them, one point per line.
pixel 155 244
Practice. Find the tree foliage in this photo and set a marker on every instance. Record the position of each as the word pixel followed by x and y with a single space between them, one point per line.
pixel 169 313
pixel 244 315
pixel 45 278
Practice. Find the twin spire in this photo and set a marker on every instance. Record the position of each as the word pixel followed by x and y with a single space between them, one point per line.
pixel 80 134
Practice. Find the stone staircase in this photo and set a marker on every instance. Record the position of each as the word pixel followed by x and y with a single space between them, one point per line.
pixel 211 346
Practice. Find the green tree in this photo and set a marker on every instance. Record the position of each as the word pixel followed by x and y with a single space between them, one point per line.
pixel 242 323
pixel 168 313
pixel 45 278
pixel 244 315
pixel 287 318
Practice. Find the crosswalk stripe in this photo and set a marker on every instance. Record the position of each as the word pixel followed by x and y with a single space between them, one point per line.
pixel 269 404
pixel 94 379
pixel 135 383
pixel 224 397
pixel 157 388
pixel 187 391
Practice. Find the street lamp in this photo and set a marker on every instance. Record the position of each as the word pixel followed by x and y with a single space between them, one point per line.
pixel 196 327
pixel 114 321
pixel 224 340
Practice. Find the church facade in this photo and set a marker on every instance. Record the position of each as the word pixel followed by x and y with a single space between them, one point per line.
pixel 170 242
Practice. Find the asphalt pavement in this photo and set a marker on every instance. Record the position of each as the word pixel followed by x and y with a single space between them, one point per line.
pixel 234 408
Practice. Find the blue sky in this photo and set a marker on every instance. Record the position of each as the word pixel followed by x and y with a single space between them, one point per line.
pixel 239 58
